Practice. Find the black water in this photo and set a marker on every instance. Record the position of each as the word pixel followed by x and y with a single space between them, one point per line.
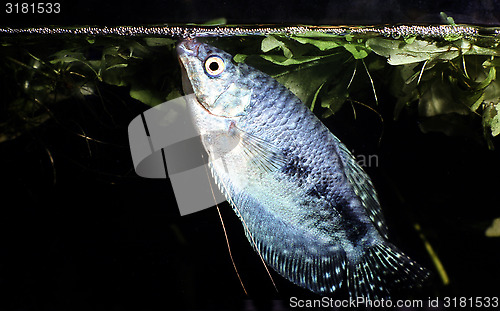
pixel 101 237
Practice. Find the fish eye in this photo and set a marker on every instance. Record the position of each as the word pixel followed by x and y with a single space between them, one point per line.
pixel 214 66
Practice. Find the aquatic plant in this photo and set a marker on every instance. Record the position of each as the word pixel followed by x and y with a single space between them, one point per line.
pixel 448 77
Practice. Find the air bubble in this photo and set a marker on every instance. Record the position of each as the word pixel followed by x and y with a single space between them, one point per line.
pixel 227 31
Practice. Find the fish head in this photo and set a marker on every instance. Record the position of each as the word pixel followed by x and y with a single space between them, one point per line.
pixel 214 78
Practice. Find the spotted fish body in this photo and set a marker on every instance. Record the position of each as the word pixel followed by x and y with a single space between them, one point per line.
pixel 305 204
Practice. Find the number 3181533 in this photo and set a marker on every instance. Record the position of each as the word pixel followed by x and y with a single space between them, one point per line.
pixel 33 8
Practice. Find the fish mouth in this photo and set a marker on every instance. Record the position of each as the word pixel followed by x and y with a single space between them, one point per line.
pixel 188 47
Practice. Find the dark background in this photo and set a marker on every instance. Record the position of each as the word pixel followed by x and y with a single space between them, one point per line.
pixel 106 13
pixel 85 232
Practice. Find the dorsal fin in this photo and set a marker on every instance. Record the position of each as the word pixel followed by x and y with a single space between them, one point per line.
pixel 363 187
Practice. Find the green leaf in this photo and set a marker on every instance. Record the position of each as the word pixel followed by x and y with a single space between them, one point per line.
pixel 313 103
pixel 159 41
pixel 284 61
pixel 67 59
pixel 111 50
pixel 491 118
pixel 322 45
pixel 145 96
pixel 61 55
pixel 357 50
pixel 335 99
pixel 479 93
pixel 468 48
pixel 399 53
pixel 305 80
pixel 447 19
pixel 492 62
pixel 117 66
pixel 115 71
pixel 495 121
pixel 494 229
pixel 270 43
pixel 240 58
pixel 477 103
pixel 410 40
pixel 487 81
pixel 318 34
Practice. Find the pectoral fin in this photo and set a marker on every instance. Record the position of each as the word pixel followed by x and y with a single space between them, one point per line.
pixel 264 155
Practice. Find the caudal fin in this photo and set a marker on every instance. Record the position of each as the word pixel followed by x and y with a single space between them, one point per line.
pixel 382 268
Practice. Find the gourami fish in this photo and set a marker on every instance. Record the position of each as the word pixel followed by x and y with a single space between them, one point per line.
pixel 307 207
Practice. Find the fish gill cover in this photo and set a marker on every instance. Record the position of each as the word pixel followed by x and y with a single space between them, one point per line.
pixel 442 78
